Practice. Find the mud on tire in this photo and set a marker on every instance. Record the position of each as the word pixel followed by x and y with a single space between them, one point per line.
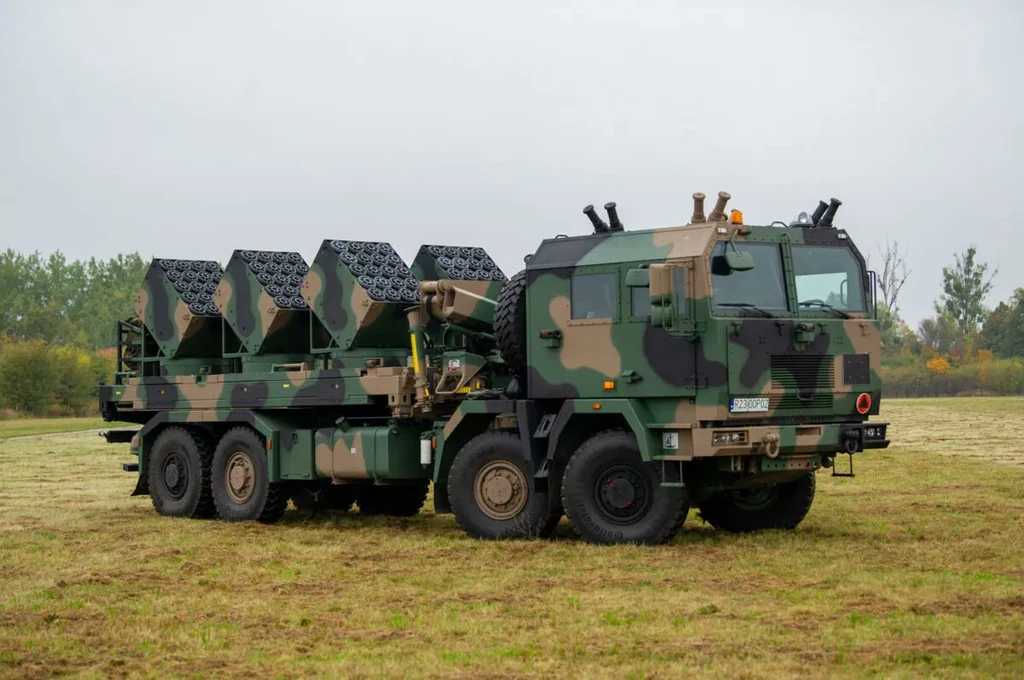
pixel 490 487
pixel 178 473
pixel 776 506
pixel 611 495
pixel 241 479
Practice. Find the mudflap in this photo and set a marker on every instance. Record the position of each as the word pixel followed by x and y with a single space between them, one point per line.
pixel 442 506
pixel 141 487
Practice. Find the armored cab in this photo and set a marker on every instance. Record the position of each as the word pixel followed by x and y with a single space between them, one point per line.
pixel 259 298
pixel 358 291
pixel 175 305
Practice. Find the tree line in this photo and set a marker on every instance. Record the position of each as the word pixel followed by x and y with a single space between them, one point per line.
pixel 964 347
pixel 57 329
pixel 67 302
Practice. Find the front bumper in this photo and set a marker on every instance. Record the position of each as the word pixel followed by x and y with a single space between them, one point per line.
pixel 789 440
pixel 867 436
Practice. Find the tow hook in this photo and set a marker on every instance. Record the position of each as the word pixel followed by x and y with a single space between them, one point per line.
pixel 852 444
pixel 770 445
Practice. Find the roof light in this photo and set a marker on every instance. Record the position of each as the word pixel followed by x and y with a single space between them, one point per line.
pixel 803 218
pixel 736 217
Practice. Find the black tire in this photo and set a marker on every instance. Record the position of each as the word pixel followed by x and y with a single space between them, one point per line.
pixel 178 473
pixel 396 500
pixel 323 497
pixel 510 324
pixel 776 506
pixel 497 457
pixel 248 494
pixel 639 511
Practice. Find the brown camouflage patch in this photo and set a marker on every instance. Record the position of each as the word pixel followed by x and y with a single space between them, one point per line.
pixel 312 284
pixel 268 312
pixel 344 458
pixel 222 296
pixel 183 320
pixel 585 343
pixel 684 241
pixel 141 300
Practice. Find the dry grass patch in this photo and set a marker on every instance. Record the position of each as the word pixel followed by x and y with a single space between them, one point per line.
pixel 914 567
pixel 986 427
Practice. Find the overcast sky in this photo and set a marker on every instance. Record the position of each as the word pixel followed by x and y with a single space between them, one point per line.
pixel 189 129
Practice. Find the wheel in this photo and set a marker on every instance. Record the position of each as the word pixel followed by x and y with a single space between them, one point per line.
pixel 611 495
pixel 510 323
pixel 773 506
pixel 491 490
pixel 241 481
pixel 179 474
pixel 396 500
pixel 318 497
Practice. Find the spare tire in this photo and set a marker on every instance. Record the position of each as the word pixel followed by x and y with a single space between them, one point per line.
pixel 510 323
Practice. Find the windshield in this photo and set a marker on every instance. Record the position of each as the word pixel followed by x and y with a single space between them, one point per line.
pixel 828 275
pixel 762 286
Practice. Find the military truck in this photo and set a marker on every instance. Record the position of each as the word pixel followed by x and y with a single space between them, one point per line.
pixel 621 377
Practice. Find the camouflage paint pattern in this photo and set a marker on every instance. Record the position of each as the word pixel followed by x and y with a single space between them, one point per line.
pixel 346 303
pixel 259 299
pixel 685 376
pixel 175 305
pixel 670 381
pixel 472 285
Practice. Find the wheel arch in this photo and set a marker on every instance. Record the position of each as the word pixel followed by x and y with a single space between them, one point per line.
pixel 578 420
pixel 464 424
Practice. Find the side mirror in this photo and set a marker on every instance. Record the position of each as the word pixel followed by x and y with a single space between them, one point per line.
pixel 737 261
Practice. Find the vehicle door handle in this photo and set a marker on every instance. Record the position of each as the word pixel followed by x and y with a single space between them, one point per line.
pixel 551 337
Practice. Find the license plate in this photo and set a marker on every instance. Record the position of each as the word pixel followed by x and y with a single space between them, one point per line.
pixel 748 404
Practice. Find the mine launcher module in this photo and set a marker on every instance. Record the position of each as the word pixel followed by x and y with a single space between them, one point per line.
pixel 621 377
pixel 319 361
pixel 454 325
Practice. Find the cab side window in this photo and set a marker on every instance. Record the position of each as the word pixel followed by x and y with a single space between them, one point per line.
pixel 593 296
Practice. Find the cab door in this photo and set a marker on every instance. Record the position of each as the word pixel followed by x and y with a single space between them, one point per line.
pixel 572 319
pixel 669 338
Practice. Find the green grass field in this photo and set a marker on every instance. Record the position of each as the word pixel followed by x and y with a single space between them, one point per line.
pixel 25 427
pixel 916 567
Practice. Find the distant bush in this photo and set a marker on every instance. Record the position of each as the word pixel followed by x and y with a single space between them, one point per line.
pixel 941 378
pixel 37 378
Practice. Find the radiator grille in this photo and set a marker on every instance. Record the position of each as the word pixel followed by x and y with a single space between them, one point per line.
pixel 803 372
pixel 793 401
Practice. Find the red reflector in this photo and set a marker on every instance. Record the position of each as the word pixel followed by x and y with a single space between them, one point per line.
pixel 863 403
